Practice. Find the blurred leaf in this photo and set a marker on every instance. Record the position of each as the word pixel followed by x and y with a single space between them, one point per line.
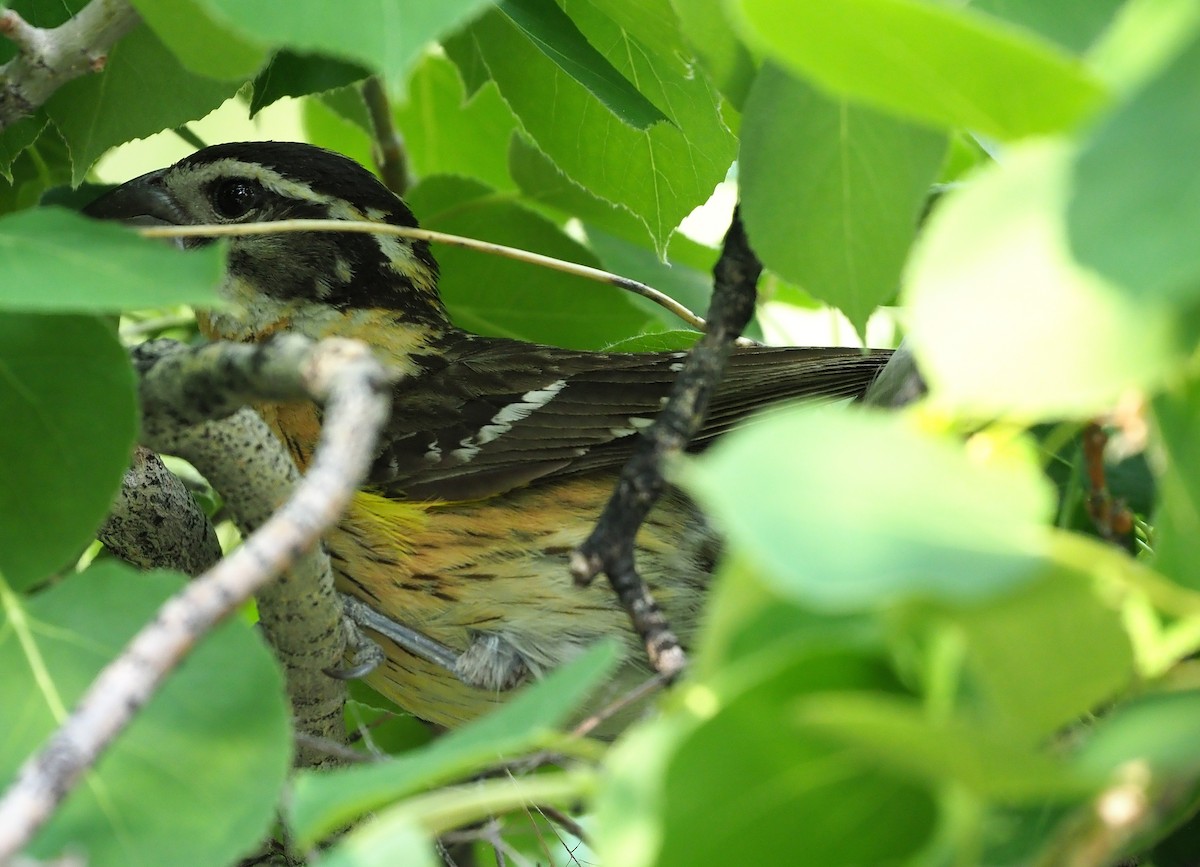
pixel 1020 633
pixel 68 404
pixel 831 191
pixel 935 62
pixel 707 28
pixel 201 41
pixel 142 90
pixel 747 615
pixel 55 260
pixel 383 842
pixel 898 734
pixel 1074 24
pixel 660 173
pixel 851 510
pixel 447 133
pixel 322 802
pixel 1157 730
pixel 1134 226
pixel 292 74
pixel 196 777
pixel 548 29
pixel 385 35
pixel 747 784
pixel 326 127
pixel 1176 413
pixel 1143 39
pixel 497 296
pixel 1036 336
pixel 688 286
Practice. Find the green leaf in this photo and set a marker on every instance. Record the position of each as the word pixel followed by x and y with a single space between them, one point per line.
pixel 492 295
pixel 1020 633
pixel 39 168
pixel 543 184
pixel 895 732
pixel 58 261
pixel 323 802
pixel 934 62
pixel 445 132
pixel 1074 24
pixel 1035 336
pixel 707 28
pixel 196 777
pixel 659 341
pixel 661 173
pixel 548 29
pixel 748 617
pixel 747 784
pixel 851 510
pixel 832 191
pixel 384 842
pixel 1136 195
pixel 689 286
pixel 67 398
pixel 202 42
pixel 1176 412
pixel 385 35
pixel 1158 731
pixel 326 127
pixel 15 138
pixel 292 74
pixel 142 90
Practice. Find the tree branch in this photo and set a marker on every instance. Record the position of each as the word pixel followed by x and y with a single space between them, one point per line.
pixel 610 547
pixel 391 158
pixel 49 58
pixel 343 375
pixel 155 523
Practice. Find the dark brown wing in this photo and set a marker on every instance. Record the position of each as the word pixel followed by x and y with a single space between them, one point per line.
pixel 498 414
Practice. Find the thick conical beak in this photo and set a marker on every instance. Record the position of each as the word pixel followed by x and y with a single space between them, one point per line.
pixel 144 201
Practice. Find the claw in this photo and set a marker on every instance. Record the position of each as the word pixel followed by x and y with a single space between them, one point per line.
pixel 416 643
pixel 366 655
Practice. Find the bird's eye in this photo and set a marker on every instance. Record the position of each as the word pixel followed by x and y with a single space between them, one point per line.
pixel 236 197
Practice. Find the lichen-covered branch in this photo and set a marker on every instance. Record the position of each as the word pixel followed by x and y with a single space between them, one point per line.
pixel 47 58
pixel 155 523
pixel 354 390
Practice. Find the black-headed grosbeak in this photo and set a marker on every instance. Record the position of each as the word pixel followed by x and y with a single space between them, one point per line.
pixel 499 454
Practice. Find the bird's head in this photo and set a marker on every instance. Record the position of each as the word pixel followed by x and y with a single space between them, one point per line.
pixel 288 275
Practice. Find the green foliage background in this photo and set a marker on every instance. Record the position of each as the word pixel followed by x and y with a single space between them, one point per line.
pixel 914 653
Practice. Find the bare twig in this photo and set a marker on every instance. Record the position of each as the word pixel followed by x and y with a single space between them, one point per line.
pixel 282 226
pixel 610 547
pixel 49 58
pixel 642 690
pixel 155 522
pixel 391 157
pixel 353 386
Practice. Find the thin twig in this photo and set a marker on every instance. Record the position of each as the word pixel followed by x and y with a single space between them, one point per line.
pixel 633 696
pixel 391 159
pixel 48 58
pixel 610 547
pixel 281 226
pixel 353 387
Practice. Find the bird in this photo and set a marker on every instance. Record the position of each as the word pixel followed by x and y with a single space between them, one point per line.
pixel 499 454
